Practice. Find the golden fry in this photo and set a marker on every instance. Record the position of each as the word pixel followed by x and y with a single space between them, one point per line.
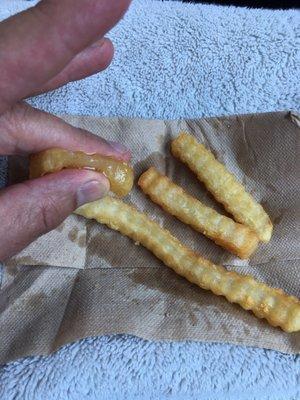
pixel 274 305
pixel 237 238
pixel 223 185
pixel 119 174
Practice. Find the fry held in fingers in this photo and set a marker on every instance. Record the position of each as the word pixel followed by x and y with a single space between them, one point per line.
pixel 236 238
pixel 223 185
pixel 119 174
pixel 274 305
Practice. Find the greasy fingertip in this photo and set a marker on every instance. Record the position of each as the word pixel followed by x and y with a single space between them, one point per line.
pixel 127 156
pixel 119 150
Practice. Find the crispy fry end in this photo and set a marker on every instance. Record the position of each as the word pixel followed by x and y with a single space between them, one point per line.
pixel 278 308
pixel 119 174
pixel 223 185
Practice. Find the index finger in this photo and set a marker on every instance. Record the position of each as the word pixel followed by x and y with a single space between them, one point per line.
pixel 36 44
pixel 26 130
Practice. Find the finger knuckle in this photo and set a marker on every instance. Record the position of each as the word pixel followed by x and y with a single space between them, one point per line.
pixel 15 117
pixel 13 123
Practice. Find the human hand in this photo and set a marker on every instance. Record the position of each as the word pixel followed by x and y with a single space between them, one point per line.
pixel 41 49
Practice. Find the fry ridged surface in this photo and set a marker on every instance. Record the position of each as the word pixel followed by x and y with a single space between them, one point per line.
pixel 223 185
pixel 272 304
pixel 119 174
pixel 229 234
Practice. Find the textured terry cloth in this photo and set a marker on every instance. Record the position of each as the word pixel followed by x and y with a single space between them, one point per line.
pixel 173 60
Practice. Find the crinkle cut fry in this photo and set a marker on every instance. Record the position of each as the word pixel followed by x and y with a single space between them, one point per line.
pixel 235 237
pixel 119 174
pixel 278 308
pixel 223 185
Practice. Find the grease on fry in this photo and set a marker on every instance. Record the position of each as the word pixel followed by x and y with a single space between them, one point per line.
pixel 119 174
pixel 234 237
pixel 223 185
pixel 274 305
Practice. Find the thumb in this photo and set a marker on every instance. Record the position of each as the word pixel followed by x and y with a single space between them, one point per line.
pixel 33 208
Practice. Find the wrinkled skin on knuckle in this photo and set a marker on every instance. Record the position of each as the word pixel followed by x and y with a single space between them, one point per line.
pixel 43 212
pixel 46 215
pixel 16 119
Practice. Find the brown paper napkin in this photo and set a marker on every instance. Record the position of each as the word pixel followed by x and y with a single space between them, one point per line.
pixel 94 281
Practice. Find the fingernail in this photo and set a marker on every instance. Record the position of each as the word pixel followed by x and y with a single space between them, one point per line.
pixel 99 43
pixel 118 147
pixel 91 191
